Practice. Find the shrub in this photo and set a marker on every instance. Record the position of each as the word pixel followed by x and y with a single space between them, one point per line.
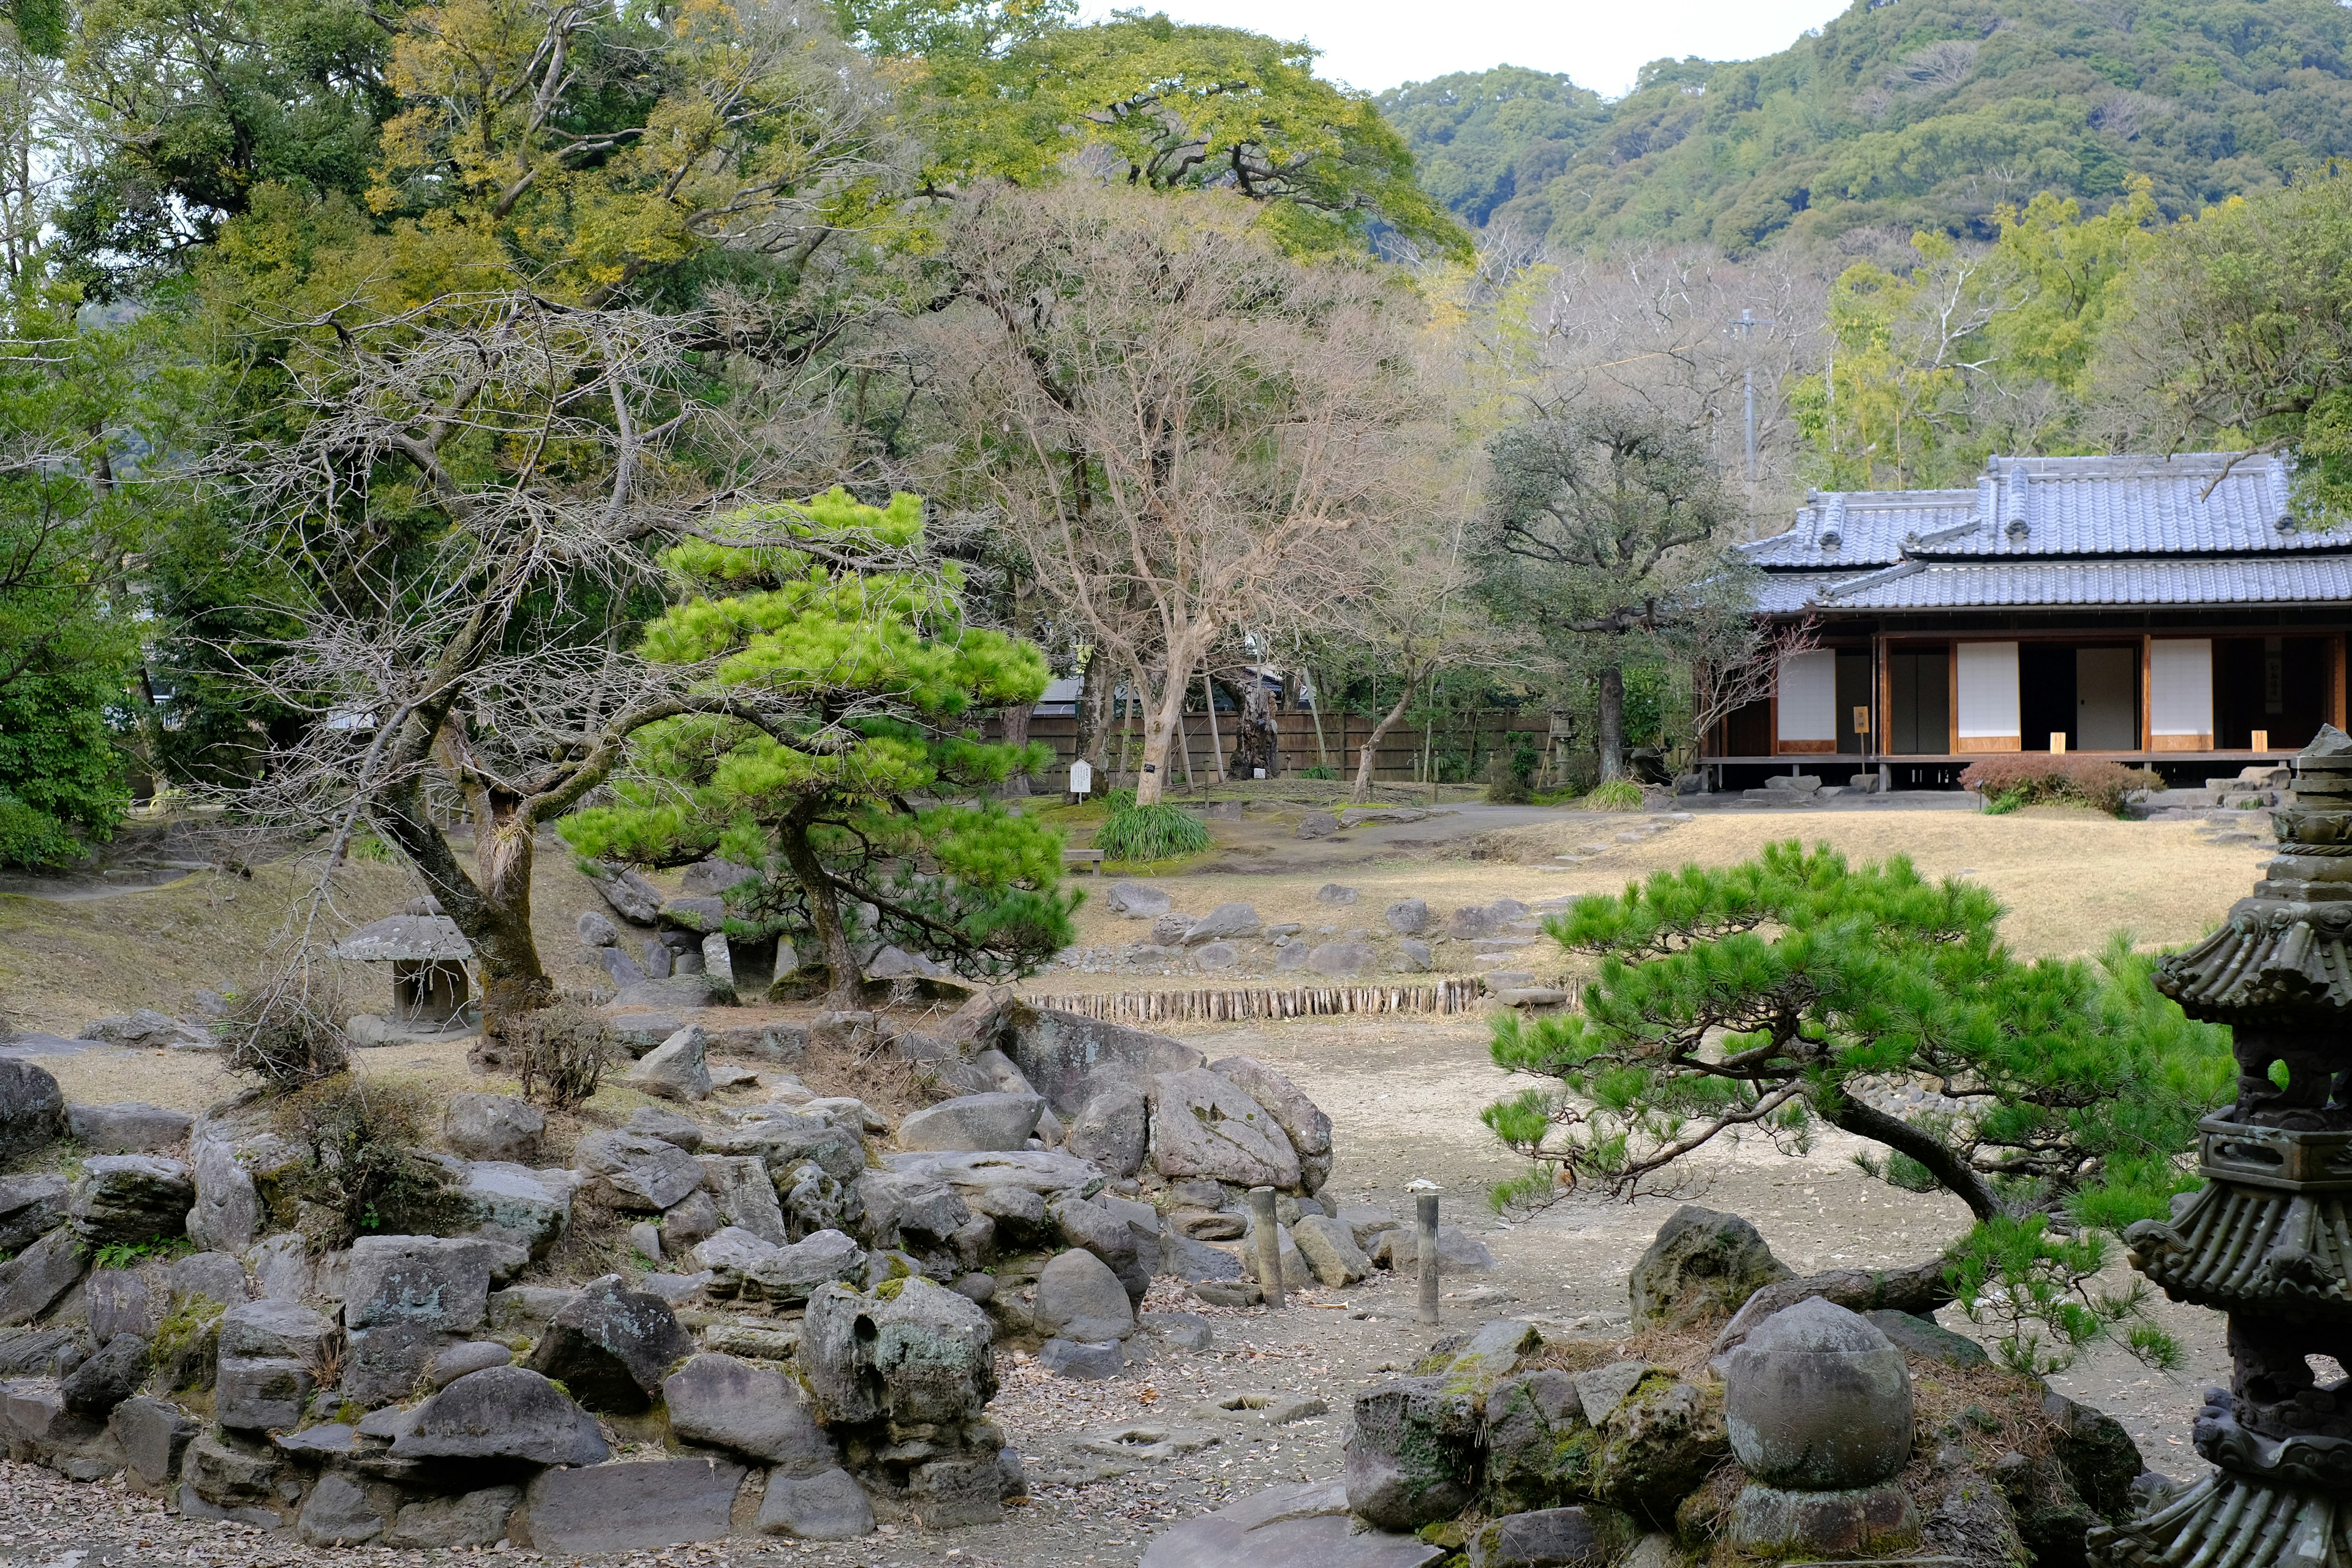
pixel 1506 785
pixel 562 1052
pixel 1318 772
pixel 2028 778
pixel 1622 795
pixel 360 1171
pixel 1160 832
pixel 286 1030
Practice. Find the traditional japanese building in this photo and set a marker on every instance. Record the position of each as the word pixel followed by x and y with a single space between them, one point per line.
pixel 2178 613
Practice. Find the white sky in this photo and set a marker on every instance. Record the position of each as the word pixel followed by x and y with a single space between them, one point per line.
pixel 1379 44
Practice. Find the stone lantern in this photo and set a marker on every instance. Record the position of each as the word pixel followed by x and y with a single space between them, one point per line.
pixel 428 953
pixel 2268 1238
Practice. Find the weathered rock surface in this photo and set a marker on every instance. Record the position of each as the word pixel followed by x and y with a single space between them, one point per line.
pixel 1818 1400
pixel 1226 922
pixel 924 1355
pixel 633 1507
pixel 677 1068
pixel 31 1281
pixel 1113 1128
pixel 31 1205
pixel 1343 959
pixel 495 1127
pixel 340 1512
pixel 1084 1361
pixel 519 1206
pixel 995 1121
pixel 827 1506
pixel 32 1108
pixel 1202 1125
pixel 748 1409
pixel 1301 1526
pixel 132 1198
pixel 1331 1250
pixel 1702 1265
pixel 1407 917
pixel 1067 1058
pixel 1079 1297
pixel 1870 1520
pixel 1540 1448
pixel 471 1518
pixel 504 1413
pixel 1413 1459
pixel 743 1196
pixel 1136 900
pixel 1584 1536
pixel 1657 1446
pixel 436 1283
pixel 107 1378
pixel 636 1173
pixel 128 1127
pixel 612 1346
pixel 154 1435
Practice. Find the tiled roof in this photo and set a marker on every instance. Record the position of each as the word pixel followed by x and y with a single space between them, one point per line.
pixel 2192 528
pixel 2293 580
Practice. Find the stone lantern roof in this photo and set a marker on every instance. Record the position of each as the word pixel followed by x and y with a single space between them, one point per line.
pixel 416 939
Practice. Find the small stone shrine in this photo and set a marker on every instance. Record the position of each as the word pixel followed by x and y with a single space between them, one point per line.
pixel 2268 1238
pixel 428 953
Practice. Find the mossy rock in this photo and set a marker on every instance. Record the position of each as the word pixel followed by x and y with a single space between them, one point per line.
pixel 1659 1445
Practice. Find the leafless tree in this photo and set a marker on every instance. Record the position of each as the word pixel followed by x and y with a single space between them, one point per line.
pixel 1177 425
pixel 469 510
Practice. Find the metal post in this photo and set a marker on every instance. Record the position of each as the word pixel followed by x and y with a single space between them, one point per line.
pixel 1745 329
pixel 1425 1241
pixel 1269 1245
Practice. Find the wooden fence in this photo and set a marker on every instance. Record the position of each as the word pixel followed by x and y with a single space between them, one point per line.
pixel 1474 737
pixel 1241 1004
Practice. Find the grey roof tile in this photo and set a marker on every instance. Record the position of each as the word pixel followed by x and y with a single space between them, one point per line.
pixel 2324 579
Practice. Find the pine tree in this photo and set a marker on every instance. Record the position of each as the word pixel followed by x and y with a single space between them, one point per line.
pixel 850 771
pixel 1766 998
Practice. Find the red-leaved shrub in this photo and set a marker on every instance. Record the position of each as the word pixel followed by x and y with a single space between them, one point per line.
pixel 2024 778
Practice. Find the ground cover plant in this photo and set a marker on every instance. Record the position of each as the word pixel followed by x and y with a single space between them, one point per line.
pixel 1793 990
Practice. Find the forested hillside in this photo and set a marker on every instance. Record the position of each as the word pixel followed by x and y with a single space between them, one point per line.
pixel 1918 113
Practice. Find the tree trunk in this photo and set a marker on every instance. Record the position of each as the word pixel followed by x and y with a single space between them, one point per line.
pixel 1162 724
pixel 1015 720
pixel 494 914
pixel 1610 723
pixel 844 979
pixel 1216 746
pixel 1372 747
pixel 1095 716
pixel 1257 744
pixel 1322 750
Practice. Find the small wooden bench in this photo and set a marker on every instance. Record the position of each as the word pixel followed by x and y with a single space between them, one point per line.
pixel 1074 859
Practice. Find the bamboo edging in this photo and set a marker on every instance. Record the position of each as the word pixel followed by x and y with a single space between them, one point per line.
pixel 1265 1001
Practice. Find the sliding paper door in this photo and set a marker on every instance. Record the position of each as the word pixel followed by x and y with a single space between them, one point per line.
pixel 2181 694
pixel 1808 703
pixel 1986 681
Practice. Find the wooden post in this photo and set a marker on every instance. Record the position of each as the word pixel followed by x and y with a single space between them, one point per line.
pixel 1425 1242
pixel 1269 1245
pixel 1216 746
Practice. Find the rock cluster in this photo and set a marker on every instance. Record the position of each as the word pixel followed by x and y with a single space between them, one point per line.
pixel 818 1327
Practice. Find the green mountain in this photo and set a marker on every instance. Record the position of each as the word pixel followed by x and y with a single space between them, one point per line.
pixel 1915 113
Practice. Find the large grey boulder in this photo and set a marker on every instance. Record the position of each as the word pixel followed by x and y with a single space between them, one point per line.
pixel 748 1409
pixel 1168 930
pixel 982 1121
pixel 784 1137
pixel 712 878
pixel 340 1512
pixel 741 1263
pixel 1331 1250
pixel 1584 1536
pixel 827 1506
pixel 458 1360
pixel 153 1434
pixel 128 1127
pixel 633 898
pixel 435 1283
pixel 32 1108
pixel 925 1355
pixel 1308 1130
pixel 1113 1129
pixel 470 1518
pixel 385 1364
pixel 1539 1446
pixel 125 1301
pixel 1343 959
pixel 636 1173
pixel 1702 1265
pixel 677 1068
pixel 745 1197
pixel 1202 1125
pixel 504 1413
pixel 284 1329
pixel 612 1346
pixel 1306 1525
pixel 595 931
pixel 1084 1361
pixel 1412 1457
pixel 1136 900
pixel 107 1378
pixel 1067 1058
pixel 31 1205
pixel 494 1127
pixel 1818 1399
pixel 227 1213
pixel 1458 1252
pixel 1226 922
pixel 1078 1298
pixel 517 1205
pixel 31 1281
pixel 215 1275
pixel 257 1394
pixel 132 1198
pixel 634 1507
pixel 1408 917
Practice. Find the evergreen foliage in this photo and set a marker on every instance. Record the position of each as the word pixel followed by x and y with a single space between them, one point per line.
pixel 1155 832
pixel 1473 134
pixel 1915 114
pixel 849 770
pixel 1767 997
